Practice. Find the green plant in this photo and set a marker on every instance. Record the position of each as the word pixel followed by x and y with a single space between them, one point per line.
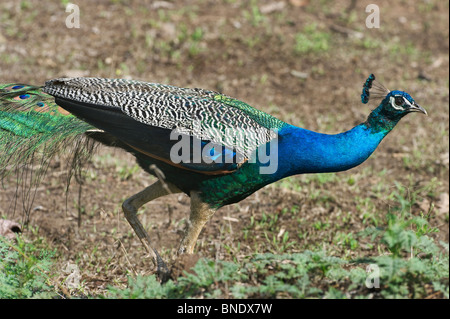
pixel 346 240
pixel 254 15
pixel 24 271
pixel 414 260
pixel 311 40
pixel 315 274
pixel 126 172
pixel 204 280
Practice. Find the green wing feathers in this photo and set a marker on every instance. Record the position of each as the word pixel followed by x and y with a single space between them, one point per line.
pixel 264 119
pixel 33 126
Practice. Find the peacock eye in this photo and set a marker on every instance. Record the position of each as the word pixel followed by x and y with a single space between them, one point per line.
pixel 399 101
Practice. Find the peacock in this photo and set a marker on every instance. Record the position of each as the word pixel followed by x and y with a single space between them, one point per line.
pixel 216 149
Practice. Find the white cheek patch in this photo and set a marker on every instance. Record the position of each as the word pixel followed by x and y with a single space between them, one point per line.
pixel 407 102
pixel 400 108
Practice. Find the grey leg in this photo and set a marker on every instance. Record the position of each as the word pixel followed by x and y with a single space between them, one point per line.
pixel 200 214
pixel 130 208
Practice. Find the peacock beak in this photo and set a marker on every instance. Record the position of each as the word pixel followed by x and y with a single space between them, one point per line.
pixel 417 108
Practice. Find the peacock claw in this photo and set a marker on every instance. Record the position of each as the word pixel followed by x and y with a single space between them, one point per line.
pixel 162 270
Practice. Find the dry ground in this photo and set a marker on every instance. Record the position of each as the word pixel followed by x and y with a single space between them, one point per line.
pixel 302 62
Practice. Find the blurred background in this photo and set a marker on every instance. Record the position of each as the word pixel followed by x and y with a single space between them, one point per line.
pixel 302 61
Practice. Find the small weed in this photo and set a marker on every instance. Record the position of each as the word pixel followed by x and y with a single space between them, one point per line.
pixel 311 40
pixel 254 15
pixel 403 273
pixel 126 172
pixel 346 240
pixel 24 271
pixel 319 225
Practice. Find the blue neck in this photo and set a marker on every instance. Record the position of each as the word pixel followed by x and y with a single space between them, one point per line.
pixel 299 151
pixel 304 151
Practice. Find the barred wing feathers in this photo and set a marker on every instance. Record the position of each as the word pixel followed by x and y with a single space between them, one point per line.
pixel 202 114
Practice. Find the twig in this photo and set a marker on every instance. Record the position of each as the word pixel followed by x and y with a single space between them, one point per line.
pixel 126 256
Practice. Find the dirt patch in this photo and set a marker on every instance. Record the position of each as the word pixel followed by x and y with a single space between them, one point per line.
pixel 183 264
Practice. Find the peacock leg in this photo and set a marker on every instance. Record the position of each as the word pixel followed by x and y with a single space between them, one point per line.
pixel 200 214
pixel 130 208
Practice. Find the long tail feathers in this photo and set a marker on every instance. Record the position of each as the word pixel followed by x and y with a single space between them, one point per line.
pixel 33 127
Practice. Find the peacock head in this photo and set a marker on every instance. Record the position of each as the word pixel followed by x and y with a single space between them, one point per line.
pixel 394 104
